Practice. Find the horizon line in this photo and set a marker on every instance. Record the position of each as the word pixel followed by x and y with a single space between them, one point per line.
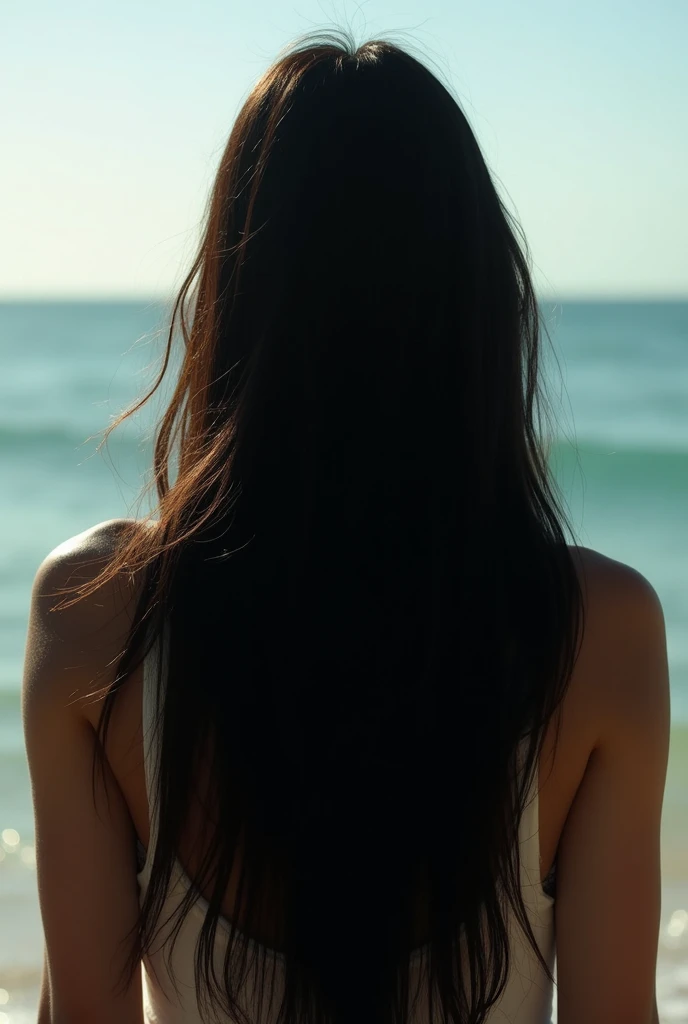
pixel 131 298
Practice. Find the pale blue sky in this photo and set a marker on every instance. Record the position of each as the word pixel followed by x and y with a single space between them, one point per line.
pixel 114 115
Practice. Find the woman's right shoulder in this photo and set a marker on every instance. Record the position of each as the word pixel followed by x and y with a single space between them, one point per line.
pixel 622 663
pixel 612 584
pixel 608 857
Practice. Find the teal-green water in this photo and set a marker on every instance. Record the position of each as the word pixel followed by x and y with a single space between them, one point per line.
pixel 621 400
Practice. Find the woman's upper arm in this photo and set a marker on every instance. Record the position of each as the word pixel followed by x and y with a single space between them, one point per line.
pixel 608 863
pixel 85 853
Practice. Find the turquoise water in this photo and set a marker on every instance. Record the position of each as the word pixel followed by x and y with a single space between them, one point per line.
pixel 67 368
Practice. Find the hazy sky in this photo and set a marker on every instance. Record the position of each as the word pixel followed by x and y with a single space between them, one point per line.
pixel 114 115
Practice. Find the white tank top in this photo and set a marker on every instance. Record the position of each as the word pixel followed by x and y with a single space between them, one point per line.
pixel 169 995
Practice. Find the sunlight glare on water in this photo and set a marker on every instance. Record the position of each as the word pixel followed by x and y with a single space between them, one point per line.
pixel 10 837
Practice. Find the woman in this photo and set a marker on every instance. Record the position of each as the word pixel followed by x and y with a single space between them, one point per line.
pixel 380 738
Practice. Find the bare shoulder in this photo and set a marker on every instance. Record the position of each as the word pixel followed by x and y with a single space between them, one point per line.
pixel 84 830
pixel 608 856
pixel 623 658
pixel 67 647
pixel 72 559
pixel 614 586
pixel 77 562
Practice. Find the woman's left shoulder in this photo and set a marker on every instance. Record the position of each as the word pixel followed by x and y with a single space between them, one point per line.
pixel 79 560
pixel 73 635
pixel 96 544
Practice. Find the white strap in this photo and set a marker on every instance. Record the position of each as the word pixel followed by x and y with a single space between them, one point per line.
pixel 151 741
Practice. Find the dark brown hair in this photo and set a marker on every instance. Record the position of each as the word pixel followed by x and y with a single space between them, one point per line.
pixel 360 561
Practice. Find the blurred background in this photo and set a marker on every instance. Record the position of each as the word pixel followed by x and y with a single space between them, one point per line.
pixel 113 123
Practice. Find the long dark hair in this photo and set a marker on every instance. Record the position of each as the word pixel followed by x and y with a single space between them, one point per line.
pixel 360 562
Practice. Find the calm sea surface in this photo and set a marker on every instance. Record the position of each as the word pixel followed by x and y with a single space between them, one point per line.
pixel 620 396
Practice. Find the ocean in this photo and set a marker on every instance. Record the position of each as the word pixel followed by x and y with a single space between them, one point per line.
pixel 619 389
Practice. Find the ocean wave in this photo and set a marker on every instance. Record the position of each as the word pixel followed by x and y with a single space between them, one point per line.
pixel 640 448
pixel 10 699
pixel 15 437
pixel 52 435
